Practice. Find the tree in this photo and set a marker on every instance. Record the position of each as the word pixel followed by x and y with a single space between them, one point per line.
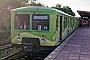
pixel 23 2
pixel 34 3
pixel 5 8
pixel 58 5
pixel 65 9
pixel 68 10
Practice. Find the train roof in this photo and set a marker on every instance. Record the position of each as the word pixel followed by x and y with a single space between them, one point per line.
pixel 37 8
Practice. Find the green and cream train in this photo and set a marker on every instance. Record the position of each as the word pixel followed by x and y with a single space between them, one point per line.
pixel 35 28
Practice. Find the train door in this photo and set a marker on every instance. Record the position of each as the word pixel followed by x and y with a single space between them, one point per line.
pixel 60 27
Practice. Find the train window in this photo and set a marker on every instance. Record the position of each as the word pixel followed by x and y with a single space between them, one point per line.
pixel 71 22
pixel 40 22
pixel 64 22
pixel 57 22
pixel 22 21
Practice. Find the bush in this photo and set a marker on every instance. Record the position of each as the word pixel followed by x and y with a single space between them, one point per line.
pixel 4 34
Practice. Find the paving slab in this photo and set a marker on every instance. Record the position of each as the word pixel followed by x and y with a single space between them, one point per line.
pixel 77 47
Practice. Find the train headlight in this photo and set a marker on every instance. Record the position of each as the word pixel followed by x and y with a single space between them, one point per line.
pixel 43 35
pixel 43 40
pixel 18 38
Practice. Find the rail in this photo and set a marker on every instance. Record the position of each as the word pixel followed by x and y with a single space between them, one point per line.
pixel 6 49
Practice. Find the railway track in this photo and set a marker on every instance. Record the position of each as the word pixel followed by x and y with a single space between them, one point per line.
pixel 25 56
pixel 6 49
pixel 5 44
pixel 7 52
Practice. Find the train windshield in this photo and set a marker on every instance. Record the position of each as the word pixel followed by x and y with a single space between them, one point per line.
pixel 40 22
pixel 22 21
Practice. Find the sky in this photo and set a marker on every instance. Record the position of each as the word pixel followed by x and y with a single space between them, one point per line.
pixel 83 5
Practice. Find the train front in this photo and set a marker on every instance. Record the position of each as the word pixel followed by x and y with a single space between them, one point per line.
pixel 31 31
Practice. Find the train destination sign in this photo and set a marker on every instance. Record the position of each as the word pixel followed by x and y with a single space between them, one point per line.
pixel 40 17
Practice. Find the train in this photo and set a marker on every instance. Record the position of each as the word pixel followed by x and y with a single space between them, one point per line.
pixel 83 22
pixel 38 28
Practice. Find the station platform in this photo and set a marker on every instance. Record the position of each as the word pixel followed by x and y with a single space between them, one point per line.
pixel 76 47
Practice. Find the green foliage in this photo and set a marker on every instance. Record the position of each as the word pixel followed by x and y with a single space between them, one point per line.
pixel 23 2
pixel 5 8
pixel 4 34
pixel 34 3
pixel 65 9
pixel 68 10
pixel 58 5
